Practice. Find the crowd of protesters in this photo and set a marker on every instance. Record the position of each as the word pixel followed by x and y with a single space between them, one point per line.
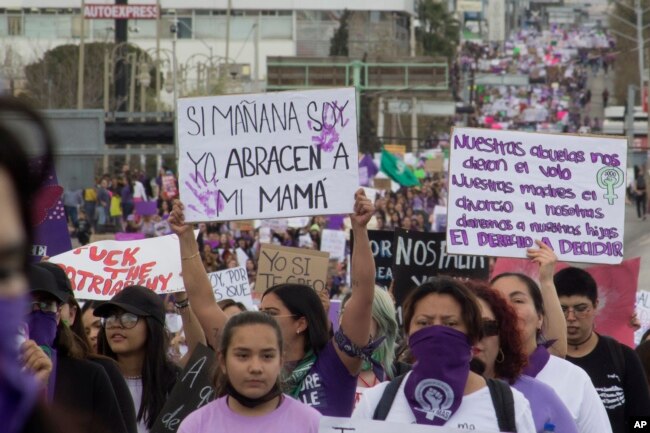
pixel 556 62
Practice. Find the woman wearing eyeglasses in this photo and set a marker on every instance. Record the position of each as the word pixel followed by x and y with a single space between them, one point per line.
pixel 500 355
pixel 318 370
pixel 133 333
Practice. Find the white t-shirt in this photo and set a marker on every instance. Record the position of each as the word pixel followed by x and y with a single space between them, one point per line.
pixel 135 386
pixel 572 384
pixel 476 411
pixel 139 191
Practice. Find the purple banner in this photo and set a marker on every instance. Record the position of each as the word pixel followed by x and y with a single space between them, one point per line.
pixel 145 208
pixel 122 236
pixel 51 236
pixel 335 222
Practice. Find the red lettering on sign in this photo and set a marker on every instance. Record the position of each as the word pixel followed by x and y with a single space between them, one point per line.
pixel 96 256
pixel 129 256
pixel 110 261
pixel 94 285
pixel 84 275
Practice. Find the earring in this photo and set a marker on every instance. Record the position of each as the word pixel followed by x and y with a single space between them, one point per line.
pixel 500 354
pixel 297 331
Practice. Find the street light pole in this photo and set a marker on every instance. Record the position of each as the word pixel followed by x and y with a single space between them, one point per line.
pixel 80 80
pixel 175 94
pixel 639 36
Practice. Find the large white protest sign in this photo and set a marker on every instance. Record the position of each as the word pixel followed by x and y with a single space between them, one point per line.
pixel 333 242
pixel 330 424
pixel 102 269
pixel 509 188
pixel 232 284
pixel 268 155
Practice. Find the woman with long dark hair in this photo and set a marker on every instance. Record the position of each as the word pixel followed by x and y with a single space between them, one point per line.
pixel 442 319
pixel 251 398
pixel 133 334
pixel 319 370
pixel 501 355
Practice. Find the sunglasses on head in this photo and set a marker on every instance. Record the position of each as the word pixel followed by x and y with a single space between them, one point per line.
pixel 490 328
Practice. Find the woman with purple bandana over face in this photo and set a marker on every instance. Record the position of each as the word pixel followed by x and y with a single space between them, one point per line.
pixel 442 319
pixel 571 383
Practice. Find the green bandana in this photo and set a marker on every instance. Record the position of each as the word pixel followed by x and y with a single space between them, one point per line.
pixel 294 381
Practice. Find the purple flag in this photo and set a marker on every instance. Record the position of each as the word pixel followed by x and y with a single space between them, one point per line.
pixel 369 164
pixel 334 312
pixel 50 223
pixel 122 236
pixel 145 208
pixel 335 222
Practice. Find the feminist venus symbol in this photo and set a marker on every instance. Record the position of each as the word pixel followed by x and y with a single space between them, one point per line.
pixel 610 178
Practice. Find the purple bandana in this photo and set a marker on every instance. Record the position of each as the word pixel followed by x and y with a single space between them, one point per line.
pixel 42 329
pixel 18 391
pixel 434 389
pixel 537 360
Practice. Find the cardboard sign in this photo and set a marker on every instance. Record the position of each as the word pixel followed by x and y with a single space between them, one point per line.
pixel 330 424
pixel 268 155
pixel 509 188
pixel 381 245
pixel 333 242
pixel 419 255
pixel 192 391
pixel 434 165
pixel 279 264
pixel 399 150
pixel 102 269
pixel 232 284
pixel 383 184
pixel 244 225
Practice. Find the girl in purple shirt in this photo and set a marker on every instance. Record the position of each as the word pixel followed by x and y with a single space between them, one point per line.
pixel 318 370
pixel 250 364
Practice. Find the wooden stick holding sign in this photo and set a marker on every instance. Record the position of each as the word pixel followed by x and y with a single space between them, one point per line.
pixel 279 264
pixel 268 155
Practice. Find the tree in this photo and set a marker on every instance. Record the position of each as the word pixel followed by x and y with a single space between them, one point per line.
pixel 339 42
pixel 51 82
pixel 438 34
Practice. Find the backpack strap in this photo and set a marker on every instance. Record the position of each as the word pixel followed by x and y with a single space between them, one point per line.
pixel 504 405
pixel 387 398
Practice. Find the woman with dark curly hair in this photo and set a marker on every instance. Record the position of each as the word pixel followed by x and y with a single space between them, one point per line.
pixel 501 352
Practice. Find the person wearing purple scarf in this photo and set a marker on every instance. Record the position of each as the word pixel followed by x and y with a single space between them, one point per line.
pixel 21 361
pixel 500 354
pixel 319 370
pixel 442 319
pixel 570 382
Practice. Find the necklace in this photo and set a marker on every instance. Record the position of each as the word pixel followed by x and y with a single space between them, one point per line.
pixel 133 377
pixel 576 346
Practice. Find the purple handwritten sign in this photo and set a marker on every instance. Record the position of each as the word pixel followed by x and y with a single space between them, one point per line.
pixel 146 208
pixel 508 189
pixel 268 155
